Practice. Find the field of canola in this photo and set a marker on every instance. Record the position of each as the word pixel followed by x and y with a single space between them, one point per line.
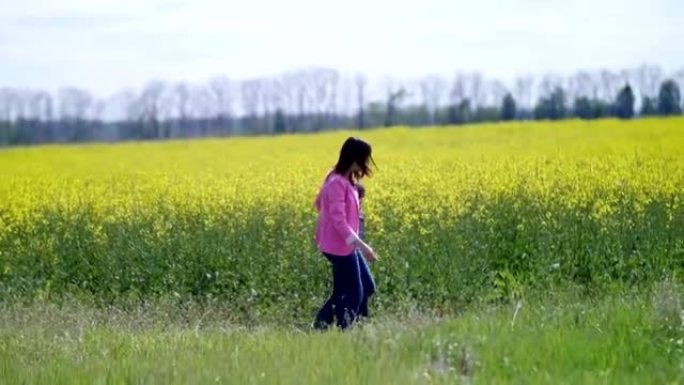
pixel 457 215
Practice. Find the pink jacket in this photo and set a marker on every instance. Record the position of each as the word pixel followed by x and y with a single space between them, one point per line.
pixel 338 216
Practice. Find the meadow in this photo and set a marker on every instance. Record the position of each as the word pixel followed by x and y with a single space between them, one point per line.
pixel 509 253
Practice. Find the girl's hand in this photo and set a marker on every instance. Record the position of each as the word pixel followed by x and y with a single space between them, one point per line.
pixel 369 254
pixel 366 250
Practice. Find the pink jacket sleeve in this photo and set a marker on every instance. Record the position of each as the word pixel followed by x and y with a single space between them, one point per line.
pixel 336 198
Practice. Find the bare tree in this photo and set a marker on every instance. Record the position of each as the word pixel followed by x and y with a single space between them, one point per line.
pixel 345 101
pixel 251 91
pixel 298 97
pixel 650 78
pixel 584 85
pixel 221 91
pixel 288 96
pixel 396 93
pixel 41 114
pixel 496 90
pixel 122 106
pixel 74 103
pixel 320 89
pixel 548 84
pixel 433 89
pixel 177 118
pixel 323 94
pixel 151 108
pixel 47 105
pixel 458 89
pixel 475 83
pixel 572 88
pixel 280 101
pixel 333 94
pixel 21 105
pixel 97 110
pixel 7 103
pixel 6 95
pixel 610 83
pixel 74 106
pixel 33 101
pixel 678 76
pixel 201 110
pixel 119 112
pixel 523 91
pixel 361 82
pixel 182 102
pixel 267 100
pixel 627 75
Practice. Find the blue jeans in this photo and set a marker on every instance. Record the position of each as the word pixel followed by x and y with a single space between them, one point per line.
pixel 352 286
pixel 367 283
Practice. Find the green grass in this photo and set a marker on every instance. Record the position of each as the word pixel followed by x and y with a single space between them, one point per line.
pixel 631 339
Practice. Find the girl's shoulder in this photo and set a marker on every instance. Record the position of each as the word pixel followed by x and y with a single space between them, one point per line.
pixel 337 179
pixel 334 177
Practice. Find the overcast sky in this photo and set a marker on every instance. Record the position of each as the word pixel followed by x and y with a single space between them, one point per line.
pixel 107 45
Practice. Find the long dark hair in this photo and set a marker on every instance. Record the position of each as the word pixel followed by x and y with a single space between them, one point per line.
pixel 355 150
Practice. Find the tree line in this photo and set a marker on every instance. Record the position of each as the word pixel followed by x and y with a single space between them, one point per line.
pixel 322 99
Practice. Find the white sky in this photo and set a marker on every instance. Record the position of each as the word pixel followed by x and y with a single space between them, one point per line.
pixel 108 45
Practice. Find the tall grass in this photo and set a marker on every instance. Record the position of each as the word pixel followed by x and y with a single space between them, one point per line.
pixel 616 340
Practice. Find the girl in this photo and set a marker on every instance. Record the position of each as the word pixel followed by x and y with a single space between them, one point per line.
pixel 337 234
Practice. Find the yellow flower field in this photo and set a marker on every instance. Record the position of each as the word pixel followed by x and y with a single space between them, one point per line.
pixel 456 214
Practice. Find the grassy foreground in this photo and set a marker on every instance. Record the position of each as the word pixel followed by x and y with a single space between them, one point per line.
pixel 627 340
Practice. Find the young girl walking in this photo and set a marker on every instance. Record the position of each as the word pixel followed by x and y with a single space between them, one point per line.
pixel 337 236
